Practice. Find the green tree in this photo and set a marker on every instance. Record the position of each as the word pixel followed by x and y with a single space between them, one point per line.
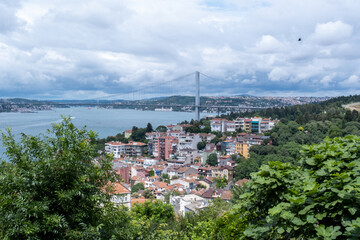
pixel 151 173
pixel 156 210
pixel 316 200
pixel 206 129
pixel 138 134
pixel 215 140
pixel 212 159
pixel 237 191
pixel 161 128
pixel 52 187
pixel 335 131
pixel 192 129
pixel 201 145
pixel 221 182
pixel 149 128
pixel 148 193
pixel 153 220
pixel 165 178
pixel 245 167
pixel 137 187
pixel 201 225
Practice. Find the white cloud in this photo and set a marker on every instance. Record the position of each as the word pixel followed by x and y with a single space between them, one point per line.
pixel 326 80
pixel 332 32
pixel 278 74
pixel 269 44
pixel 353 82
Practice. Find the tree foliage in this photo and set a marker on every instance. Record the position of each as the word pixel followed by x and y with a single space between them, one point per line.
pixel 316 200
pixel 149 128
pixel 138 134
pixel 137 187
pixel 212 159
pixel 52 188
pixel 151 173
pixel 161 128
pixel 221 182
pixel 201 145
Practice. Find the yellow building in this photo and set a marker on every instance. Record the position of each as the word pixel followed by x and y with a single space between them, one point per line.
pixel 222 171
pixel 247 125
pixel 243 149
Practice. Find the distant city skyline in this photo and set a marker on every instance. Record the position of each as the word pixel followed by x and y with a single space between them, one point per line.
pixel 92 49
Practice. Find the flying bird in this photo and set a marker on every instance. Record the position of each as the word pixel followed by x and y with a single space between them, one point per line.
pixel 299 40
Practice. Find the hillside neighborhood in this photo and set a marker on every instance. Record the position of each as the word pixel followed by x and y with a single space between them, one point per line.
pixel 184 168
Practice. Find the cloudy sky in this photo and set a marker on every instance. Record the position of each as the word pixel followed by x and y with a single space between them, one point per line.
pixel 66 49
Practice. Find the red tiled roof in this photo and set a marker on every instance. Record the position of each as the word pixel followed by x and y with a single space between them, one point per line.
pixel 226 195
pixel 116 143
pixel 160 184
pixel 178 185
pixel 141 200
pixel 242 134
pixel 218 119
pixel 169 187
pixel 134 178
pixel 119 188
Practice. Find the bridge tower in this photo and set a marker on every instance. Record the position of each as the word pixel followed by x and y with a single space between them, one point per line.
pixel 197 96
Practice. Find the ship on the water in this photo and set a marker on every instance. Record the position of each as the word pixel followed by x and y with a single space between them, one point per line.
pixel 162 109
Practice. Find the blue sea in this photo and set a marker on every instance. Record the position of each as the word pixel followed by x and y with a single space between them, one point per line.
pixel 106 122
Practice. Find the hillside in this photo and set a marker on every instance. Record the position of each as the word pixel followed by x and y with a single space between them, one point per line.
pixel 299 125
pixel 23 105
pixel 325 110
pixel 353 106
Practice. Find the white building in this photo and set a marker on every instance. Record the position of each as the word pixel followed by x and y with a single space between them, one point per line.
pixel 231 126
pixel 121 195
pixel 188 203
pixel 218 124
pixel 150 162
pixel 188 141
pixel 120 149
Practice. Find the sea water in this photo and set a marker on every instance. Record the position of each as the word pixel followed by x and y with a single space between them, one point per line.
pixel 106 122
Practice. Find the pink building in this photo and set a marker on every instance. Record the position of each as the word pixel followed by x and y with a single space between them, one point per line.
pixel 163 147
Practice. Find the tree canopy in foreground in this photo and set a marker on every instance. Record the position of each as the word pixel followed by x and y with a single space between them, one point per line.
pixel 317 200
pixel 52 188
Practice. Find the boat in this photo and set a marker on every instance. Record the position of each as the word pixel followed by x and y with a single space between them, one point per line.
pixel 162 109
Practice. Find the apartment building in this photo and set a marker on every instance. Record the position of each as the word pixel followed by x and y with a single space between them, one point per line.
pixel 218 124
pixel 243 149
pixel 188 141
pixel 120 149
pixel 164 147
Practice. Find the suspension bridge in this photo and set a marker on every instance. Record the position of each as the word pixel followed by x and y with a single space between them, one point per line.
pixel 148 95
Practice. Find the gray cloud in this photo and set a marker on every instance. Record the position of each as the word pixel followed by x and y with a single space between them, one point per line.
pixel 8 20
pixel 77 49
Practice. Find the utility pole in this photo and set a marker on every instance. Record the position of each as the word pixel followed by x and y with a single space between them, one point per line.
pixel 197 96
